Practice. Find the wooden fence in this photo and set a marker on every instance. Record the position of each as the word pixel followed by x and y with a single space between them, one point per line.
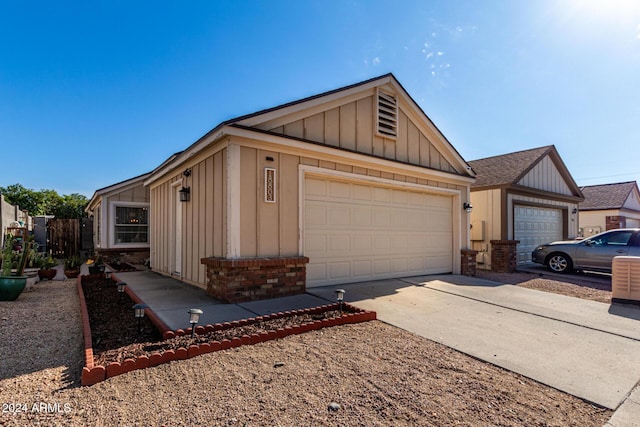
pixel 64 237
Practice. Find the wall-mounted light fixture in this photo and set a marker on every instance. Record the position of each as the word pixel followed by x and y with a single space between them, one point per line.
pixel 467 207
pixel 574 211
pixel 185 194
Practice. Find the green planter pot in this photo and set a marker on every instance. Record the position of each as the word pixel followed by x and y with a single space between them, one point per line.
pixel 11 287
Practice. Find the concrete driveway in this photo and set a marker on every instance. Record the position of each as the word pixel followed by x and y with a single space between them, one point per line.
pixel 585 348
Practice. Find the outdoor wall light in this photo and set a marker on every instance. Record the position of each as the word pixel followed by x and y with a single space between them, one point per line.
pixel 340 298
pixel 121 286
pixel 185 193
pixel 138 310
pixel 467 207
pixel 194 316
pixel 574 211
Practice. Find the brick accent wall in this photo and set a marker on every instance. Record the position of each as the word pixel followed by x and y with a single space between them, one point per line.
pixel 251 279
pixel 613 222
pixel 504 256
pixel 468 262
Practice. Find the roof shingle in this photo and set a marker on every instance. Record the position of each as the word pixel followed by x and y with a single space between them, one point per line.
pixel 506 168
pixel 606 196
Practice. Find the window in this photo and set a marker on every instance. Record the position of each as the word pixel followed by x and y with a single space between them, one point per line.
pixel 616 238
pixel 131 224
pixel 387 115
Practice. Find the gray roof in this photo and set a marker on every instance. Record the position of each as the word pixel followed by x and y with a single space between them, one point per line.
pixel 606 196
pixel 506 168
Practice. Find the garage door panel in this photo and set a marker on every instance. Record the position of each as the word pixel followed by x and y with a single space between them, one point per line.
pixel 362 268
pixel 373 232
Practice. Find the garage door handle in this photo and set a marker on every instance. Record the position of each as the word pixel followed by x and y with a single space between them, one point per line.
pixel 620 251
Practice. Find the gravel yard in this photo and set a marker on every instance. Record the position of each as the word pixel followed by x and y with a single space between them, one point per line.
pixel 377 374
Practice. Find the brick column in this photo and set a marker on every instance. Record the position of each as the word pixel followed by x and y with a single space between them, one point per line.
pixel 613 222
pixel 504 256
pixel 468 262
pixel 251 279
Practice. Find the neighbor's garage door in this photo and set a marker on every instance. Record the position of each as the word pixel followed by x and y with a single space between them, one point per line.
pixel 359 231
pixel 534 226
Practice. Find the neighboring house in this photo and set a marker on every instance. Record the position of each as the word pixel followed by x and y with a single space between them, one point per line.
pixel 358 180
pixel 528 196
pixel 121 220
pixel 609 206
pixel 13 220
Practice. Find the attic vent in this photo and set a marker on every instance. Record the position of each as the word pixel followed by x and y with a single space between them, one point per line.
pixel 387 115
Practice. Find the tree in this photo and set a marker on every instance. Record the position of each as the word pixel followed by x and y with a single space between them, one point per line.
pixel 25 198
pixel 45 202
pixel 72 206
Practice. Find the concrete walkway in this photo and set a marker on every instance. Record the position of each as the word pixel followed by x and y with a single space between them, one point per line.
pixel 585 348
pixel 170 299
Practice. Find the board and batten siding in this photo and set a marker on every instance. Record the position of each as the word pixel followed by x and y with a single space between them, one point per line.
pixel 268 229
pixel 545 176
pixel 351 127
pixel 486 208
pixel 202 218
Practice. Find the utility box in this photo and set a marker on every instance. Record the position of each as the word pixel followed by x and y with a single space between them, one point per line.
pixel 625 280
pixel 477 230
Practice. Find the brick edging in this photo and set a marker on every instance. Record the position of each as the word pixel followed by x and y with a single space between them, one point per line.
pixel 92 374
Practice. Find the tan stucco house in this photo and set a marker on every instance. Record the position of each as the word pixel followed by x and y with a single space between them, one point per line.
pixel 350 185
pixel 121 220
pixel 527 196
pixel 609 206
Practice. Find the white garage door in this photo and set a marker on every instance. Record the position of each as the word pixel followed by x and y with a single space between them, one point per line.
pixel 534 226
pixel 633 223
pixel 360 231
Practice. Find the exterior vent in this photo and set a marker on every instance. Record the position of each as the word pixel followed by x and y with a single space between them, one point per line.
pixel 387 115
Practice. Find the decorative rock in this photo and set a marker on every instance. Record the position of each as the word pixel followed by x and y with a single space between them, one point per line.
pixel 333 407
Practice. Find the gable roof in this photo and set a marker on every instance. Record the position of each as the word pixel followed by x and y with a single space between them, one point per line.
pixel 255 122
pixel 113 187
pixel 607 196
pixel 507 170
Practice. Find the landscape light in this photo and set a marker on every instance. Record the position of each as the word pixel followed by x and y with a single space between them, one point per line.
pixel 139 313
pixel 121 286
pixel 194 316
pixel 340 298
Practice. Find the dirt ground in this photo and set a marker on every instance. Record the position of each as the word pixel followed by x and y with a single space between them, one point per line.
pixel 369 374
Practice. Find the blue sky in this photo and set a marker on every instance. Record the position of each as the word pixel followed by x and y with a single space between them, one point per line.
pixel 93 93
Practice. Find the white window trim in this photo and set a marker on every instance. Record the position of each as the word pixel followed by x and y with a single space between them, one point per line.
pixel 112 225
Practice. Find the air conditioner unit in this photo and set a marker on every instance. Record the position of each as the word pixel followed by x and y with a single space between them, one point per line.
pixel 625 280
